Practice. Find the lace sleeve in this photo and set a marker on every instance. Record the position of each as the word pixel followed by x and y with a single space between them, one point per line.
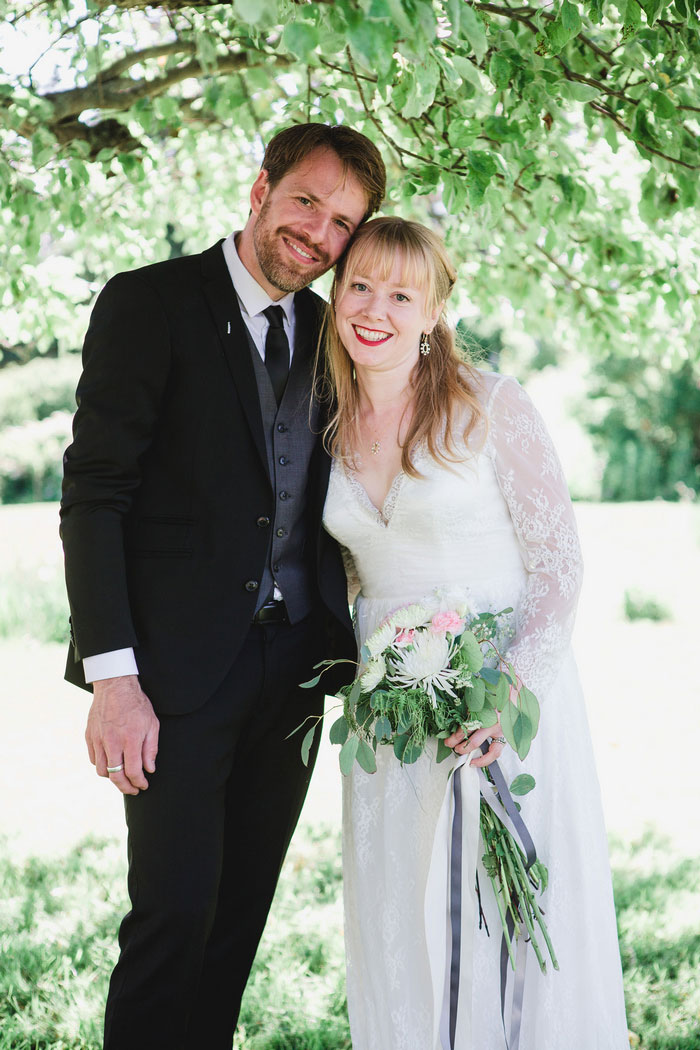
pixel 533 485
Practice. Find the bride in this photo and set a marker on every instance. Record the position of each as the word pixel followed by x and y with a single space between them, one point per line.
pixel 444 477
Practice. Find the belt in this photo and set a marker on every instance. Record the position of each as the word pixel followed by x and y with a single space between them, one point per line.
pixel 272 612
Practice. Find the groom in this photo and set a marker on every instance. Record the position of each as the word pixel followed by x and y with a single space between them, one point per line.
pixel 202 587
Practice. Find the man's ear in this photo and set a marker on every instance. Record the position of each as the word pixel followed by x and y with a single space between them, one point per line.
pixel 259 191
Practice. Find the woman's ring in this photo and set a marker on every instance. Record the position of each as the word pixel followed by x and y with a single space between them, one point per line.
pixel 498 740
pixel 115 769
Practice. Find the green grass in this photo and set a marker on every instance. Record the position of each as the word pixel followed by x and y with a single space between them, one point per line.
pixel 33 602
pixel 58 921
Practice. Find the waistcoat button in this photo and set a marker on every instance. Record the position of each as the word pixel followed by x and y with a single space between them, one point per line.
pixel 284 461
pixel 281 532
pixel 282 428
pixel 262 522
pixel 284 495
pixel 251 585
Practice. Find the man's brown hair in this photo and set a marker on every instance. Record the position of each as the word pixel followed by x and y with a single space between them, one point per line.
pixel 355 151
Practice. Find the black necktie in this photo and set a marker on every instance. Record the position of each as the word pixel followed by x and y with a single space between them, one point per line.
pixel 277 350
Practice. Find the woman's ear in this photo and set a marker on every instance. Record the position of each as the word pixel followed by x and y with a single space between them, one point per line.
pixel 433 318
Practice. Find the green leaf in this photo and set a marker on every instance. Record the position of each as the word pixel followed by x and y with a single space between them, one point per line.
pixel 500 70
pixel 473 29
pixel 469 648
pixel 522 784
pixel 348 752
pixel 468 71
pixel 443 751
pixel 476 696
pixel 490 674
pixel 424 82
pixel 662 105
pixel 529 704
pixel 405 749
pixel 382 728
pixel 301 39
pixel 339 730
pixel 366 758
pixel 502 692
pixel 306 745
pixel 570 18
pixel 254 11
pixel 517 729
pixel 581 92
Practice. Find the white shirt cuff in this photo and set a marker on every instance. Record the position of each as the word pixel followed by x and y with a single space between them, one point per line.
pixel 116 664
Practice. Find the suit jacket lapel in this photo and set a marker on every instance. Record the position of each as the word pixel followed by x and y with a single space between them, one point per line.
pixel 233 336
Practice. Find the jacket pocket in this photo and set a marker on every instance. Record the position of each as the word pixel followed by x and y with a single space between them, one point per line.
pixel 160 537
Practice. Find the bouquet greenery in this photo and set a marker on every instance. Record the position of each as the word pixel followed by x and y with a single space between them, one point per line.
pixel 425 672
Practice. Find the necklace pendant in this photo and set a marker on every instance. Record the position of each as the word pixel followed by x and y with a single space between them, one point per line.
pixel 376 448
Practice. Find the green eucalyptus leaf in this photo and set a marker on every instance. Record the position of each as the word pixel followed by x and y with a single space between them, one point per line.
pixel 348 753
pixel 339 731
pixel 443 751
pixel 476 696
pixel 522 784
pixel 382 728
pixel 306 745
pixel 405 749
pixel 470 650
pixel 366 758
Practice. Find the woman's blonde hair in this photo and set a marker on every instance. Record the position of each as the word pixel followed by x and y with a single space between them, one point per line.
pixel 444 381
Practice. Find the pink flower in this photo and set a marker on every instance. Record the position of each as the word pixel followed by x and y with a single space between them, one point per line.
pixel 404 637
pixel 447 621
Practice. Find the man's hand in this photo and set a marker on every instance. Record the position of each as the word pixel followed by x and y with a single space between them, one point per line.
pixel 122 730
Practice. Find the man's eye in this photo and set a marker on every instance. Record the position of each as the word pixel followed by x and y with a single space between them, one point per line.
pixel 342 225
pixel 304 200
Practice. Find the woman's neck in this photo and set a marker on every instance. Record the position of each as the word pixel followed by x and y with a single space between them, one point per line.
pixel 382 392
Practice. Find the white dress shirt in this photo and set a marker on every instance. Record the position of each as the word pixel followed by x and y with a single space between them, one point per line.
pixel 252 299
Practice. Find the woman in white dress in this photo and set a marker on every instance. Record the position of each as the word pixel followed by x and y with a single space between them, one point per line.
pixel 444 477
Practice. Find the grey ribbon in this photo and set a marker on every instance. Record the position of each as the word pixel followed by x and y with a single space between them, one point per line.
pixel 455 904
pixel 456 908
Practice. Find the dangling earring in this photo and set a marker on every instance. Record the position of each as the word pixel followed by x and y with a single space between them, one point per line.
pixel 425 344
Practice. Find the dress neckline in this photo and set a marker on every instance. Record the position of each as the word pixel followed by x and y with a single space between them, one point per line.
pixel 383 514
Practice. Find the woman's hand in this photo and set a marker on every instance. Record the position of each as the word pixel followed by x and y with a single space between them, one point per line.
pixel 463 745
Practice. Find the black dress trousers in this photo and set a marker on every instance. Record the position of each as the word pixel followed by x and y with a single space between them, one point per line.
pixel 206 843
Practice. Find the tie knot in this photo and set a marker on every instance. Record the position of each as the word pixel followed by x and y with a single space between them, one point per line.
pixel 275 316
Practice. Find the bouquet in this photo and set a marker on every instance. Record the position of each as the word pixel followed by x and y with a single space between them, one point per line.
pixel 425 672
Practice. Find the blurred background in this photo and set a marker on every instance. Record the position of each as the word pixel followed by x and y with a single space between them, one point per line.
pixel 555 147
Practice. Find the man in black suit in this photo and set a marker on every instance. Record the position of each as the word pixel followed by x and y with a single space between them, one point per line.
pixel 202 586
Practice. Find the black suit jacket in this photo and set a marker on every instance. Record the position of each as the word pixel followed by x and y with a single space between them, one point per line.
pixel 166 483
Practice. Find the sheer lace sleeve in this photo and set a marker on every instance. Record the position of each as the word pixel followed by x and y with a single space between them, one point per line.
pixel 533 485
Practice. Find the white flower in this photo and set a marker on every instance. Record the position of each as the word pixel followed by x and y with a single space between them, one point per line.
pixel 425 665
pixel 380 639
pixel 410 616
pixel 373 674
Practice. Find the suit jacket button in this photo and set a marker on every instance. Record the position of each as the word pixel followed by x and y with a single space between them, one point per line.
pixel 251 585
pixel 262 522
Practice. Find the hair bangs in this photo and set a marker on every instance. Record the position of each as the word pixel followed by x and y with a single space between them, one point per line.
pixel 376 256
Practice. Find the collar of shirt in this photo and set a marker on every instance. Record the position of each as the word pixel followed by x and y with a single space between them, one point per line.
pixel 252 297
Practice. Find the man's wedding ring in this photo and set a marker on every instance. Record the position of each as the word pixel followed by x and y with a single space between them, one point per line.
pixel 498 740
pixel 115 769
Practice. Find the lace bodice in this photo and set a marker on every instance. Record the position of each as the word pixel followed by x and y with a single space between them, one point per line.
pixel 498 525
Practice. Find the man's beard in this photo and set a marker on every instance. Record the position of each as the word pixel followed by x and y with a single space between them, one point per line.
pixel 277 270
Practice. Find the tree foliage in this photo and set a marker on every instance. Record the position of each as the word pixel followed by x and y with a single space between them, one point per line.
pixel 555 145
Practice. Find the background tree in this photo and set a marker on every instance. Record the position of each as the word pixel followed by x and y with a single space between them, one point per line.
pixel 556 146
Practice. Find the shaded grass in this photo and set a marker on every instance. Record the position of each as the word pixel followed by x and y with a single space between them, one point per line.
pixel 58 922
pixel 33 602
pixel 657 897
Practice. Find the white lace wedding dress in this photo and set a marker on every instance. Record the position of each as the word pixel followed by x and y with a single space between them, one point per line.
pixel 499 528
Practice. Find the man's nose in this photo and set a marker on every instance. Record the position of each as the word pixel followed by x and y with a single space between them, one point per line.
pixel 317 228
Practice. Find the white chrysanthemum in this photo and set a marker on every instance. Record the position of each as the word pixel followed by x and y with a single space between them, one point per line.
pixel 382 637
pixel 411 616
pixel 373 674
pixel 425 665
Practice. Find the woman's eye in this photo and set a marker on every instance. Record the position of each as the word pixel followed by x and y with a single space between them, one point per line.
pixel 359 287
pixel 402 298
